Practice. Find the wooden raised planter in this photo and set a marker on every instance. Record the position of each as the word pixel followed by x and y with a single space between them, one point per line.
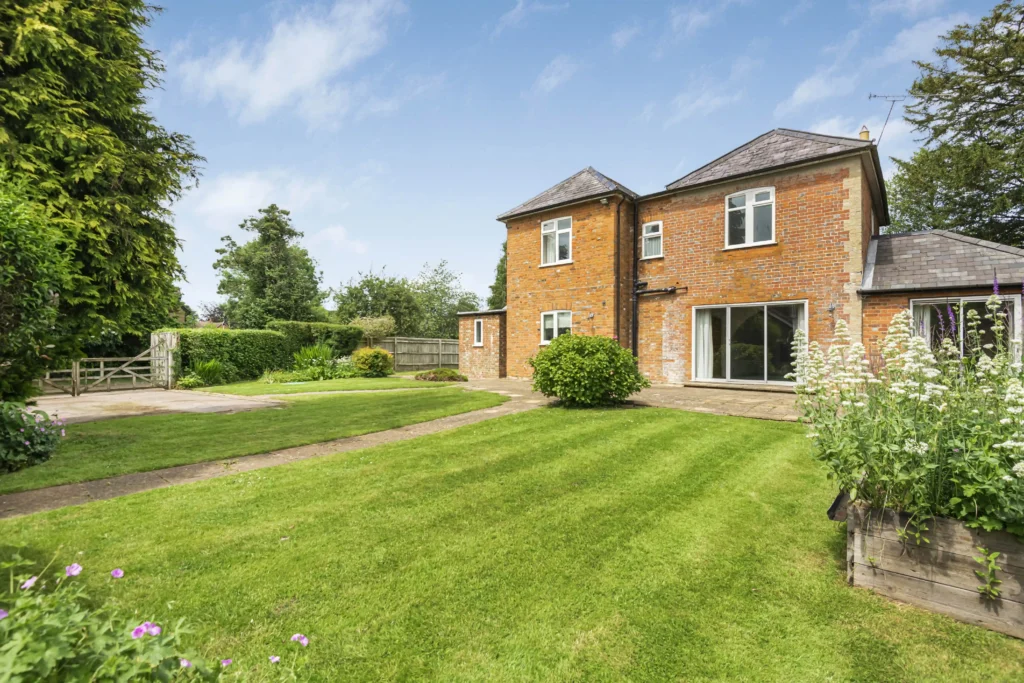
pixel 938 575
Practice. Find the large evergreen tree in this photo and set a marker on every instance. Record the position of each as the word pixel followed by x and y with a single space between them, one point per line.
pixel 269 277
pixel 969 105
pixel 74 130
pixel 497 297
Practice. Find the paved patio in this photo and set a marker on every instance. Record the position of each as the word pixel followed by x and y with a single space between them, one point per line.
pixel 107 404
pixel 764 405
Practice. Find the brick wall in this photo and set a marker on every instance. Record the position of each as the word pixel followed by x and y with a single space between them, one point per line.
pixel 587 286
pixel 487 361
pixel 819 230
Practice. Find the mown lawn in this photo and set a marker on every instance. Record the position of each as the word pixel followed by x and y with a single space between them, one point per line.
pixel 634 544
pixel 350 384
pixel 96 450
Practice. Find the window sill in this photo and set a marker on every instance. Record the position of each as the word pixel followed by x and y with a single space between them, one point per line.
pixel 556 263
pixel 652 258
pixel 478 346
pixel 751 246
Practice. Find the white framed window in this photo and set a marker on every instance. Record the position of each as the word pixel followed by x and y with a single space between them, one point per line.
pixel 556 241
pixel 948 317
pixel 478 332
pixel 554 324
pixel 746 342
pixel 750 218
pixel 651 240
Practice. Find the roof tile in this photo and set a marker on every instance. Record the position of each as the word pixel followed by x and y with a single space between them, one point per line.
pixel 585 184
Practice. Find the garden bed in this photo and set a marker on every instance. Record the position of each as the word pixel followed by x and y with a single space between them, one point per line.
pixel 939 572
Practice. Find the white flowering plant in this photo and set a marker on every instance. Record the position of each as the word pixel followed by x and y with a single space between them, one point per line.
pixel 937 432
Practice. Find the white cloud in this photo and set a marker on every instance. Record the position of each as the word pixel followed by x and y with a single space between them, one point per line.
pixel 558 71
pixel 822 85
pixel 231 197
pixel 412 88
pixel 647 113
pixel 701 101
pixel 624 36
pixel 744 66
pixel 689 20
pixel 337 238
pixel 919 41
pixel 515 16
pixel 795 11
pixel 908 8
pixel 297 64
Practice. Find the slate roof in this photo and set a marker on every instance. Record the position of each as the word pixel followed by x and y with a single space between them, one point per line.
pixel 776 148
pixel 938 259
pixel 584 185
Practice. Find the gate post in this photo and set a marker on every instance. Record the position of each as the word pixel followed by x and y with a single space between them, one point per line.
pixel 74 378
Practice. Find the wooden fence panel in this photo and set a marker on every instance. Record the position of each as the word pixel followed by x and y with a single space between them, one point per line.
pixel 412 353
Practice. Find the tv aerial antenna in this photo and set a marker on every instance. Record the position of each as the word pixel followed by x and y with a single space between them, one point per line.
pixel 892 100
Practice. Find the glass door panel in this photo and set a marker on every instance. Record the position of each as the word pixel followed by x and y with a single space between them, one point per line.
pixel 746 348
pixel 783 322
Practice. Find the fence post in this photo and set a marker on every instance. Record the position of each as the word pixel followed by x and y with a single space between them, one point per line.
pixel 74 378
pixel 440 352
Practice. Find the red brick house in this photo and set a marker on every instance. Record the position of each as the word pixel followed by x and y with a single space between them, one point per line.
pixel 708 280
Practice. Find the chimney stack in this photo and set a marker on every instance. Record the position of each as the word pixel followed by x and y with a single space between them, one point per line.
pixel 865 134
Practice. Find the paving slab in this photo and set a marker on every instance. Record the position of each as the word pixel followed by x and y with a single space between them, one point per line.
pixel 110 404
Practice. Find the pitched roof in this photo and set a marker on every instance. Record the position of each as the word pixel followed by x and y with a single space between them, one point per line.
pixel 779 147
pixel 938 259
pixel 584 185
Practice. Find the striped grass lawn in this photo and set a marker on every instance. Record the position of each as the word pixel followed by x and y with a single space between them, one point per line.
pixel 553 545
pixel 348 384
pixel 107 448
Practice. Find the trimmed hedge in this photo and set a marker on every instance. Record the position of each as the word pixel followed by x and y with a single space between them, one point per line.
pixel 343 339
pixel 245 354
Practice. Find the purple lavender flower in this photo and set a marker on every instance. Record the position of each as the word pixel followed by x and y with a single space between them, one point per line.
pixel 185 663
pixel 138 632
pixel 300 638
pixel 274 659
pixel 995 283
pixel 29 583
pixel 73 569
pixel 117 573
pixel 3 614
pixel 952 320
pixel 225 662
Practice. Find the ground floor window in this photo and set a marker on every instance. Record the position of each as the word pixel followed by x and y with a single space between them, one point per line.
pixel 937 319
pixel 554 324
pixel 478 332
pixel 746 342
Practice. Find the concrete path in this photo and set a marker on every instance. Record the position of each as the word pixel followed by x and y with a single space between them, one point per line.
pixel 28 502
pixel 103 405
pixel 764 405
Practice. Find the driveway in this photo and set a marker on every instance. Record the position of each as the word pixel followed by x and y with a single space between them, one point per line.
pixel 108 404
pixel 764 405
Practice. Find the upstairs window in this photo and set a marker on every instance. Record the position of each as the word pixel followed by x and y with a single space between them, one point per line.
pixel 478 332
pixel 652 240
pixel 556 241
pixel 750 218
pixel 554 324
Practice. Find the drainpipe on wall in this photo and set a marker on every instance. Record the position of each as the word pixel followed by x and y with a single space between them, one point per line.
pixel 618 284
pixel 636 284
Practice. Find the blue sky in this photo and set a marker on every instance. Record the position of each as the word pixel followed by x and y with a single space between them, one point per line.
pixel 395 131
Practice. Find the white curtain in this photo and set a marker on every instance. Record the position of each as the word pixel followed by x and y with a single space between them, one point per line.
pixel 705 354
pixel 923 321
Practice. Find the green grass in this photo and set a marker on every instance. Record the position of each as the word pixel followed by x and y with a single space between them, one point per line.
pixel 351 384
pixel 96 450
pixel 643 545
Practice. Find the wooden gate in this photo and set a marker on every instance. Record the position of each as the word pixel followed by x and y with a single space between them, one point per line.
pixel 149 369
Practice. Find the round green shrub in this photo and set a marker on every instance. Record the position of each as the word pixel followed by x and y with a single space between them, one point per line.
pixel 441 375
pixel 586 371
pixel 373 362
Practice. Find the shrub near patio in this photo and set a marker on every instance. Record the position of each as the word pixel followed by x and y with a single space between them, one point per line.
pixel 587 371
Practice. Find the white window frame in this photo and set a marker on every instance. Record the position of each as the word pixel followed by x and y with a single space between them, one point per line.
pixel 748 208
pixel 478 332
pixel 644 237
pixel 544 342
pixel 728 341
pixel 553 229
pixel 1015 331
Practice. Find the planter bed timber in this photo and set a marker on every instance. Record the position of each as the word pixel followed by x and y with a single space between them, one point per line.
pixel 938 575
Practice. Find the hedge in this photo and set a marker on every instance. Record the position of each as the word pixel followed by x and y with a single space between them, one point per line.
pixel 244 353
pixel 343 339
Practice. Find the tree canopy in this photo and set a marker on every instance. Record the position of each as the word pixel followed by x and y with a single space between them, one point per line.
pixel 75 129
pixel 441 296
pixel 969 105
pixel 497 297
pixel 269 277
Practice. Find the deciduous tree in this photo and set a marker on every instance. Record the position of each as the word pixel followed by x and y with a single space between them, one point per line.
pixel 497 298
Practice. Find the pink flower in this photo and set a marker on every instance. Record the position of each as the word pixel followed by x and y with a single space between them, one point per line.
pixel 62 432
pixel 117 573
pixel 154 630
pixel 185 663
pixel 225 662
pixel 28 584
pixel 73 569
pixel 300 638
pixel 3 614
pixel 138 632
pixel 274 659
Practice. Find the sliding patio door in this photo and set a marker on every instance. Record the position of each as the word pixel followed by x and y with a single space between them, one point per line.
pixel 746 343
